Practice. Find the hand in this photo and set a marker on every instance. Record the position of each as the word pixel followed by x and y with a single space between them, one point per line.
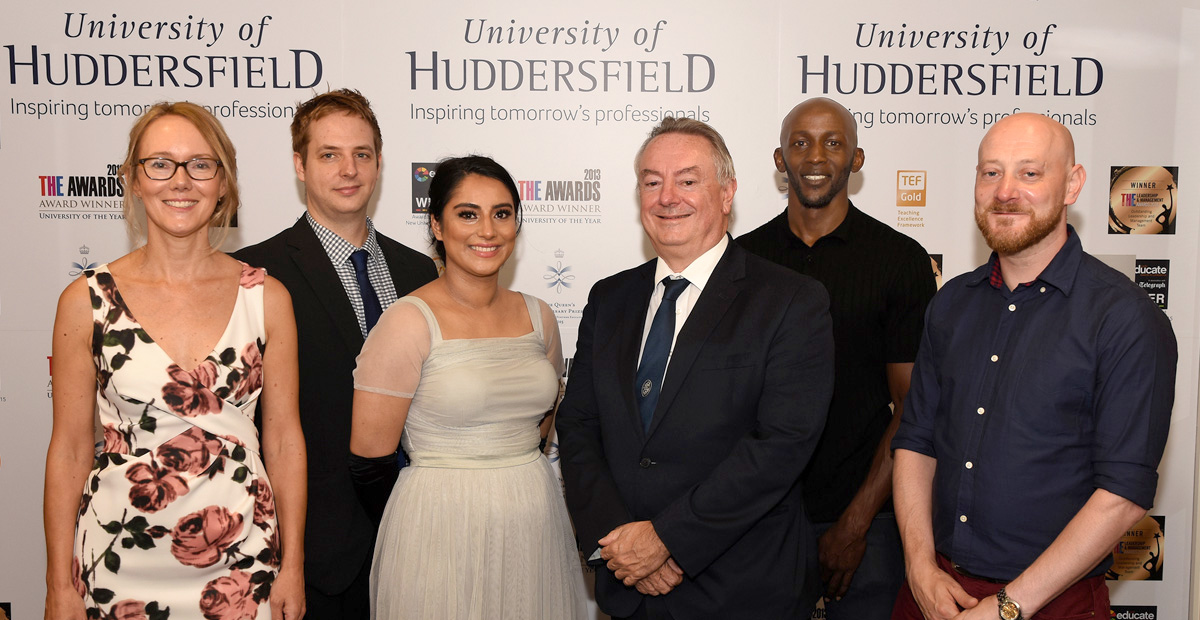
pixel 662 580
pixel 64 604
pixel 841 551
pixel 985 610
pixel 633 551
pixel 287 595
pixel 938 595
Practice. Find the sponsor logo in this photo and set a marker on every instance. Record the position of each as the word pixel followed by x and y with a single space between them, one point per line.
pixel 558 276
pixel 1133 612
pixel 1143 200
pixel 83 264
pixel 422 174
pixel 1153 275
pixel 1138 554
pixel 910 188
pixel 81 197
pixel 562 201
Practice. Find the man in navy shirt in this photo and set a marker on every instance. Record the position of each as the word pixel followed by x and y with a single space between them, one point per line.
pixel 1039 406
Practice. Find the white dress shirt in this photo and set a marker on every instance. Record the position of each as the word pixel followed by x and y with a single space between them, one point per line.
pixel 697 275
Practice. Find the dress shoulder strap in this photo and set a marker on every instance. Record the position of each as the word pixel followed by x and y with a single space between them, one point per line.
pixel 435 331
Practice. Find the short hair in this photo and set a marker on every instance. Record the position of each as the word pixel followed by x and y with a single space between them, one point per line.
pixel 341 101
pixel 692 127
pixel 450 174
pixel 214 134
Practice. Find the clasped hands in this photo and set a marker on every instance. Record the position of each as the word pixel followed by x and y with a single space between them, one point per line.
pixel 636 556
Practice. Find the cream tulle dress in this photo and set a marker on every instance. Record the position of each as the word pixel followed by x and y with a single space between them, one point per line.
pixel 476 527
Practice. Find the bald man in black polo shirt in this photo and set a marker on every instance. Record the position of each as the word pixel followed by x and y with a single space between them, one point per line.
pixel 879 282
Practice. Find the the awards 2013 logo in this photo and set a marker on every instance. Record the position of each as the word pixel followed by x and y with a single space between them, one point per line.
pixel 543 201
pixel 81 197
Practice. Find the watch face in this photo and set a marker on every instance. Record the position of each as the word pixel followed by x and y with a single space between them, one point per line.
pixel 1010 611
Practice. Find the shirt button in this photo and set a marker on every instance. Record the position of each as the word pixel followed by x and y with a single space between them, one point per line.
pixel 1012 307
pixel 995 358
pixel 1042 290
pixel 645 463
pixel 970 465
pixel 979 411
pixel 963 518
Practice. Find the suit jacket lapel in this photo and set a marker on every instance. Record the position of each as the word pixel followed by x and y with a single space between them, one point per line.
pixel 632 323
pixel 313 262
pixel 718 295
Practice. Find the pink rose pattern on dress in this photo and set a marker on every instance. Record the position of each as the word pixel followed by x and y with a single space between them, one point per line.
pixel 252 276
pixel 244 559
pixel 264 503
pixel 200 538
pixel 229 598
pixel 190 394
pixel 252 370
pixel 114 440
pixel 154 487
pixel 128 609
pixel 190 451
pixel 77 577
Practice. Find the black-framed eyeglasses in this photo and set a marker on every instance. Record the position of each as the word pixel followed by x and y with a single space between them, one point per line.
pixel 161 168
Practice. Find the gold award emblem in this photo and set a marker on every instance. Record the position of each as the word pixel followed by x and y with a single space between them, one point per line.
pixel 1142 200
pixel 1138 555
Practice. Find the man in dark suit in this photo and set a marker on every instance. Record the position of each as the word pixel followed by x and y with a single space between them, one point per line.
pixel 341 274
pixel 683 433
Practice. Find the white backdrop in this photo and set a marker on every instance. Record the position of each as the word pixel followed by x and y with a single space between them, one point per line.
pixel 563 94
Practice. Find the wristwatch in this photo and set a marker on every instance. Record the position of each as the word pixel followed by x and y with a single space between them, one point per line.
pixel 1009 609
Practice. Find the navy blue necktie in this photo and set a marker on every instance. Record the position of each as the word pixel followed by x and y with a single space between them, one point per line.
pixel 653 368
pixel 371 307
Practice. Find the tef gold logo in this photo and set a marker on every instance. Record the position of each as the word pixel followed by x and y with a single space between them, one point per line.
pixel 910 188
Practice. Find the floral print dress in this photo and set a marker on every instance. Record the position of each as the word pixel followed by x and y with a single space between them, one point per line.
pixel 177 518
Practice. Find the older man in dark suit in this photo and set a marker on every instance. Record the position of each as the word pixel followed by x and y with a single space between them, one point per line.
pixel 341 274
pixel 699 389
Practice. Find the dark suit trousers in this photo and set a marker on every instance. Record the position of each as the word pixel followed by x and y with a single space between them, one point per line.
pixel 652 608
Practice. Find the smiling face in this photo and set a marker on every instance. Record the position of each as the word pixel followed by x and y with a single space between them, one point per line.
pixel 685 209
pixel 1025 179
pixel 478 226
pixel 818 151
pixel 339 169
pixel 179 206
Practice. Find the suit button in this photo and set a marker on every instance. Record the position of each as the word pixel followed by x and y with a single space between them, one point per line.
pixel 645 463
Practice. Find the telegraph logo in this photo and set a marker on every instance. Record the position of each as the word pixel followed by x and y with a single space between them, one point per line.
pixel 422 174
pixel 910 188
pixel 1153 275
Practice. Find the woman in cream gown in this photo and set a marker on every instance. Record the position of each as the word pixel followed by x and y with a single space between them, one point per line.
pixel 465 375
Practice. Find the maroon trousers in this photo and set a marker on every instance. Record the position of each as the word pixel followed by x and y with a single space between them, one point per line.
pixel 1086 600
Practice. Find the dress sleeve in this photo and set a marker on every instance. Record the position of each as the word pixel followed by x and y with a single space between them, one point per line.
pixel 551 337
pixel 391 358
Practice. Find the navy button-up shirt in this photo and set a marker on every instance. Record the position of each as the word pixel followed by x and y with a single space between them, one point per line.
pixel 1032 399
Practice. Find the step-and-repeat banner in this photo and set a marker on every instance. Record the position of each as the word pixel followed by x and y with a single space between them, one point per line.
pixel 563 94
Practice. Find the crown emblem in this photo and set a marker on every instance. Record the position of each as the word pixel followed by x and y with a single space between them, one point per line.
pixel 84 250
pixel 559 253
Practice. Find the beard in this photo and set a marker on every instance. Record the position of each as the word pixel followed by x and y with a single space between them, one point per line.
pixel 840 181
pixel 1009 240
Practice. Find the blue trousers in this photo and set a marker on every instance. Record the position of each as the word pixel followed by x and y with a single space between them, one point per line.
pixel 878 579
